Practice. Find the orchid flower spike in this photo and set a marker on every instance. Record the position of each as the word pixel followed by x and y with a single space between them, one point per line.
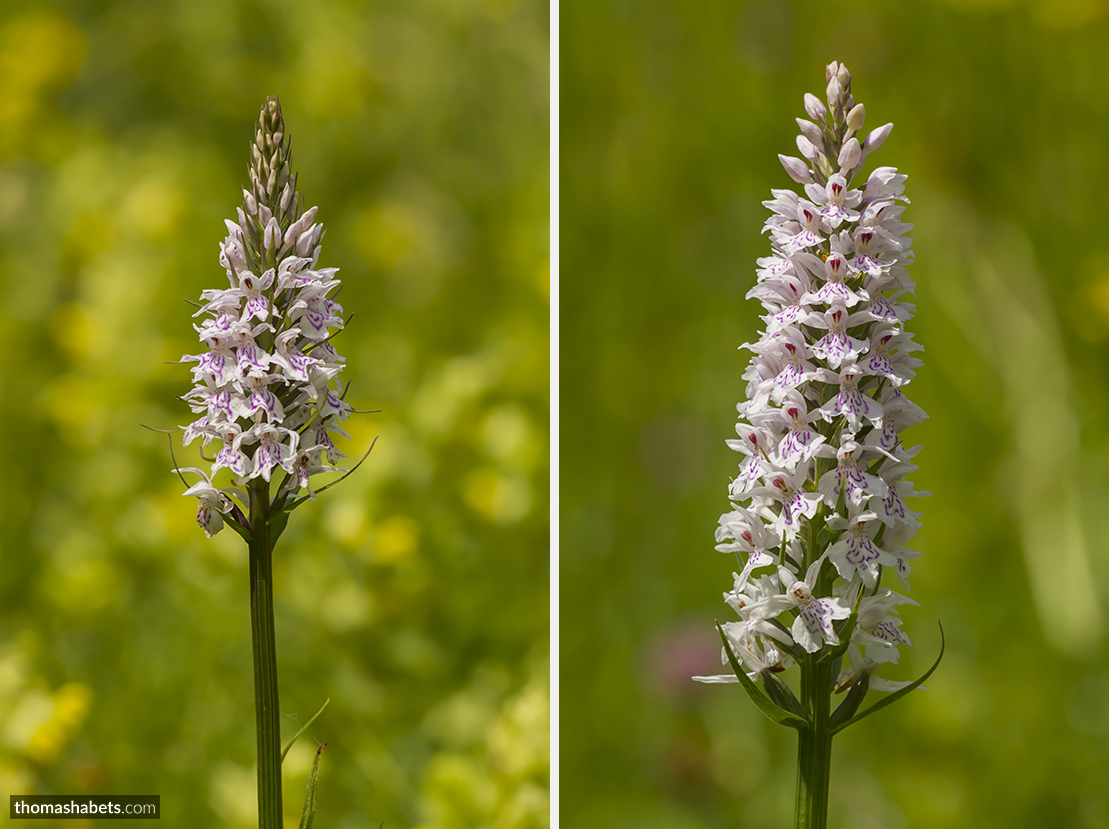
pixel 267 388
pixel 819 507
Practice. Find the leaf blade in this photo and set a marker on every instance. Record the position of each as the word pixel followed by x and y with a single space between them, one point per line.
pixel 289 744
pixel 308 815
pixel 758 696
pixel 896 695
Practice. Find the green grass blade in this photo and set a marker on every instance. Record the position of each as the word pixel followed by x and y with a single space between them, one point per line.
pixel 289 744
pixel 308 816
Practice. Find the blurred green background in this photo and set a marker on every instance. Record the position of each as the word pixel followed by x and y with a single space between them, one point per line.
pixel 415 595
pixel 672 116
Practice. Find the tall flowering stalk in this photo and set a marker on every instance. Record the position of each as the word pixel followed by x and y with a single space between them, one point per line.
pixel 268 398
pixel 819 507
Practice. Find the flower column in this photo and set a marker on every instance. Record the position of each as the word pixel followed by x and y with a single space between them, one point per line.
pixel 818 508
pixel 267 395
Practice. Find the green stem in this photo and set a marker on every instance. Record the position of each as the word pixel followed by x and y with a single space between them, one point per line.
pixel 814 752
pixel 267 711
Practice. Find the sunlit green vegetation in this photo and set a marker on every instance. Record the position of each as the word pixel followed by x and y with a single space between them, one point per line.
pixel 414 595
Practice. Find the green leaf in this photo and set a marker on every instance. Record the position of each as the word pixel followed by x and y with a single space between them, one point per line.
pixel 896 695
pixel 761 700
pixel 851 702
pixel 289 745
pixel 247 535
pixel 780 693
pixel 308 816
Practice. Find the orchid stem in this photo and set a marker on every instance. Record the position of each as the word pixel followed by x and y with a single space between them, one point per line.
pixel 814 751
pixel 266 707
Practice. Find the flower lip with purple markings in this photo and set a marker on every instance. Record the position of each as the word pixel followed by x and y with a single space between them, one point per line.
pixel 819 506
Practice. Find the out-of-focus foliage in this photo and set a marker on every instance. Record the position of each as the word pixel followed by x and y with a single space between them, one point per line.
pixel 672 117
pixel 414 594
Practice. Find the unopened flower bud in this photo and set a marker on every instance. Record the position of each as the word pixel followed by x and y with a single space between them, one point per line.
pixel 797 169
pixel 850 155
pixel 306 242
pixel 856 117
pixel 811 131
pixel 272 237
pixel 877 137
pixel 815 107
pixel 806 148
pixel 299 226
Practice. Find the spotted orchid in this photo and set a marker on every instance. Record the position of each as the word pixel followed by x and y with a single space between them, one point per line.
pixel 820 506
pixel 267 390
pixel 268 403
